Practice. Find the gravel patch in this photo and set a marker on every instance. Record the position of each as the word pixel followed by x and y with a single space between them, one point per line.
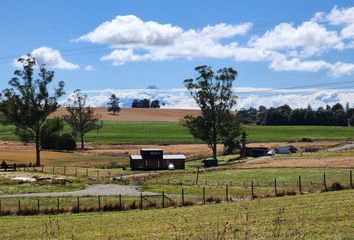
pixel 91 190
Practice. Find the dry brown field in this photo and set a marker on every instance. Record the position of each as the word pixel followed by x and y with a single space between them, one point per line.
pixel 141 114
pixel 16 152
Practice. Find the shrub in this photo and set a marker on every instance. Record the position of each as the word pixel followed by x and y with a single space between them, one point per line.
pixel 51 141
pixel 28 211
pixel 290 192
pixel 335 186
pixel 133 205
pixel 188 203
pixel 67 142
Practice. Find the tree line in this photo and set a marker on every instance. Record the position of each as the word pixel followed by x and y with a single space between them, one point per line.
pixel 145 103
pixel 335 115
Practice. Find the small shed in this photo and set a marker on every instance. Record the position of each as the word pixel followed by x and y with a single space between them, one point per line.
pixel 154 159
pixel 286 150
pixel 256 151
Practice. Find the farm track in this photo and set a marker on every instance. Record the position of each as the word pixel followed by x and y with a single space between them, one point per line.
pixel 91 190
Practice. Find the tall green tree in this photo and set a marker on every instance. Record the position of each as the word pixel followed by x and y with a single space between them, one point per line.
pixel 214 95
pixel 113 104
pixel 81 117
pixel 28 102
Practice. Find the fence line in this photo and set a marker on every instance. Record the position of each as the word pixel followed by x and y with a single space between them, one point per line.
pixel 108 174
pixel 118 203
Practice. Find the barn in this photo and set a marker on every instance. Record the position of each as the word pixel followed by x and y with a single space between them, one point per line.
pixel 154 159
pixel 256 151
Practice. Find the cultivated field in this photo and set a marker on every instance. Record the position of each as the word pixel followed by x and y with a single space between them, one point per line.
pixel 143 132
pixel 141 114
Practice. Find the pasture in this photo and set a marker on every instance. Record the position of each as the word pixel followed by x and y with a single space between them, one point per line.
pixel 308 216
pixel 313 216
pixel 130 132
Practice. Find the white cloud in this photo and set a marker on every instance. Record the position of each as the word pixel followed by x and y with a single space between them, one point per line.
pixel 89 68
pixel 119 57
pixel 248 97
pixel 162 41
pixel 307 35
pixel 339 16
pixel 340 68
pixel 131 31
pixel 286 47
pixel 52 58
pixel 296 64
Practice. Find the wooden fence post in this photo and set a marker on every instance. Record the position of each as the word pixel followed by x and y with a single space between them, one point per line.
pixel 53 170
pixel 141 201
pixel 275 187
pixel 120 202
pixel 351 179
pixel 252 191
pixel 58 206
pixel 19 206
pixel 38 205
pixel 197 178
pixel 324 182
pixel 300 187
pixel 99 203
pixel 163 199
pixel 227 192
pixel 203 195
pixel 78 204
pixel 182 197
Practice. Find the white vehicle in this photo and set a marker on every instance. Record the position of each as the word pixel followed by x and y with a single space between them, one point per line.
pixel 271 153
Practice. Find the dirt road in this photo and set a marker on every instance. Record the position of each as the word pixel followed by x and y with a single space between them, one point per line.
pixel 91 190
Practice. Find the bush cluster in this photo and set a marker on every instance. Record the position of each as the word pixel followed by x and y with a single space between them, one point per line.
pixel 65 141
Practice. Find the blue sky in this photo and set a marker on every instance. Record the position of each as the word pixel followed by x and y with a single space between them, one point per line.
pixel 272 44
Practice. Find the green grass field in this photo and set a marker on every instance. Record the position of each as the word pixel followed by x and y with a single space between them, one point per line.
pixel 287 179
pixel 311 216
pixel 173 132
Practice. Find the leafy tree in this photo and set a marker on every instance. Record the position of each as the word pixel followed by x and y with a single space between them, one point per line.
pixel 155 104
pixel 230 131
pixel 67 142
pixel 338 108
pixel 214 96
pixel 113 104
pixel 81 117
pixel 145 103
pixel 28 102
pixel 135 103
